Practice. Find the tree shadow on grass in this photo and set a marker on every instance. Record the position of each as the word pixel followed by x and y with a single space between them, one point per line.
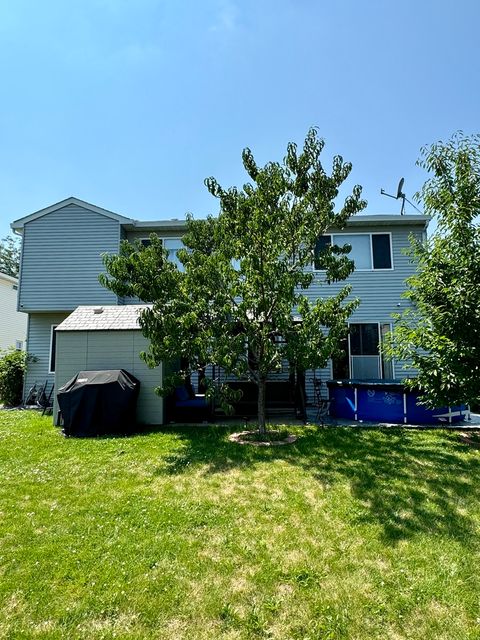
pixel 406 482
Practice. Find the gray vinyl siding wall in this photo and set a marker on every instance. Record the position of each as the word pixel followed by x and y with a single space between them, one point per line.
pixel 38 345
pixel 379 291
pixel 99 350
pixel 61 259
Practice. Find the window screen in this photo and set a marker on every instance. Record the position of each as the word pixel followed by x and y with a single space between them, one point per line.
pixel 382 258
pixel 360 253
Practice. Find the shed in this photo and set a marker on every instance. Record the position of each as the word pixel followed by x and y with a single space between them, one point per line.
pixel 108 337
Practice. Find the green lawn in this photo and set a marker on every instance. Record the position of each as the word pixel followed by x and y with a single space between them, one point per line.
pixel 181 534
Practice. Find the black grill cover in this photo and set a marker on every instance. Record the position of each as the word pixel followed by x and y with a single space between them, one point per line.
pixel 99 402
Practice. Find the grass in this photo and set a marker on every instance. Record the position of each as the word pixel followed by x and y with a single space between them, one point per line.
pixel 180 534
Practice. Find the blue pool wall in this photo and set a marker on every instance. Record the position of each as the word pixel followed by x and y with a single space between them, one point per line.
pixel 385 401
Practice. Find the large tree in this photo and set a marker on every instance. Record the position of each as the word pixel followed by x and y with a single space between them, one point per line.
pixel 10 256
pixel 238 298
pixel 440 333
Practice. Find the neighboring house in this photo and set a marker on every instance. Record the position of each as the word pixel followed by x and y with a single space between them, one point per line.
pixel 62 258
pixel 13 325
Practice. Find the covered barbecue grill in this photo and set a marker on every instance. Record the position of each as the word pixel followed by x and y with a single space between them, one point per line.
pixel 96 403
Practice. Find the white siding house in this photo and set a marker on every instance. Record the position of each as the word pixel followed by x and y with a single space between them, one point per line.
pixel 13 325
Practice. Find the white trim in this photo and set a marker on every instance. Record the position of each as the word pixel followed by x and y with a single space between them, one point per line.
pixel 349 350
pixel 389 219
pixel 157 226
pixel 390 324
pixel 7 278
pixel 360 233
pixel 52 329
pixel 162 239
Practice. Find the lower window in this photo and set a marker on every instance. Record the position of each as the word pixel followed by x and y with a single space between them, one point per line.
pixel 363 359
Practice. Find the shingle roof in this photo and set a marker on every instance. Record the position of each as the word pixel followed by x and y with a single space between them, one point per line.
pixel 107 318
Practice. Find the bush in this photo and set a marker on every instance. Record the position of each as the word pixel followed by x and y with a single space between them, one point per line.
pixel 12 370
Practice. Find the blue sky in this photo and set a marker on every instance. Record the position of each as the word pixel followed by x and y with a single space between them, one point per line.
pixel 130 104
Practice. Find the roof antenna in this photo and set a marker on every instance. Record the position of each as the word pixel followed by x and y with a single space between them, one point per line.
pixel 400 195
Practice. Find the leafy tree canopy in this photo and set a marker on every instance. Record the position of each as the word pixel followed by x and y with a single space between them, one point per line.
pixel 245 274
pixel 440 333
pixel 10 256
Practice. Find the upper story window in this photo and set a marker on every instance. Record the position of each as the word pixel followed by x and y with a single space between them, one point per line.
pixel 370 251
pixel 172 245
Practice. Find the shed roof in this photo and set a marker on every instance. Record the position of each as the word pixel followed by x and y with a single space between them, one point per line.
pixel 106 318
pixel 8 278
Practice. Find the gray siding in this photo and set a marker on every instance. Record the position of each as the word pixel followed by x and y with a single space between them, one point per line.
pixel 38 345
pixel 61 259
pixel 97 350
pixel 380 292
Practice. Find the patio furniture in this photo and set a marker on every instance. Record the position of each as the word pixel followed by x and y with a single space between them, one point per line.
pixel 321 404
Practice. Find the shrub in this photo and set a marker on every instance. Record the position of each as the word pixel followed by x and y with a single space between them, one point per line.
pixel 12 370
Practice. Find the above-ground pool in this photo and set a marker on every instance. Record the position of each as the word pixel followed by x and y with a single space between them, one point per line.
pixel 385 401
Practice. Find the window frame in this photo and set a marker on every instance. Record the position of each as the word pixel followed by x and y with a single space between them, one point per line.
pixel 50 370
pixel 361 233
pixel 379 324
pixel 162 240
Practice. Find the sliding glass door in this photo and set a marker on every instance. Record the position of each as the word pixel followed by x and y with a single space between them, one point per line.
pixel 364 351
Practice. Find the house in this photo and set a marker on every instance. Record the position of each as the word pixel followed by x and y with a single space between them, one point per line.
pixel 62 258
pixel 13 325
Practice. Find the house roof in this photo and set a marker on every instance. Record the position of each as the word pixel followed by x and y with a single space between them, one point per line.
pixel 128 223
pixel 156 225
pixel 18 225
pixel 106 318
pixel 389 219
pixel 179 225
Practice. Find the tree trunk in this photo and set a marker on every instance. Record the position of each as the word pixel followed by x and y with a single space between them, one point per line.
pixel 261 405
